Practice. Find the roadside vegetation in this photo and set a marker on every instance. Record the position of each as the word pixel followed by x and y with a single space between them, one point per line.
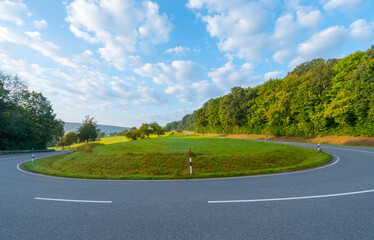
pixel 335 140
pixel 89 132
pixel 168 158
pixel 27 120
pixel 332 97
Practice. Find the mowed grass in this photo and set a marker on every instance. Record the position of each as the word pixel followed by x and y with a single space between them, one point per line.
pixel 168 158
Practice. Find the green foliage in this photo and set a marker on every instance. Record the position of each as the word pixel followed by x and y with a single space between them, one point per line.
pixel 88 147
pixel 144 131
pixel 70 138
pixel 132 134
pixel 156 129
pixel 317 98
pixel 26 117
pixel 88 131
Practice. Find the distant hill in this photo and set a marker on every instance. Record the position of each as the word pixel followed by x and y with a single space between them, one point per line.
pixel 69 126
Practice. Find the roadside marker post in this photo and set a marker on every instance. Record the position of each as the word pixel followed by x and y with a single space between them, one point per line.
pixel 190 166
pixel 32 158
pixel 318 147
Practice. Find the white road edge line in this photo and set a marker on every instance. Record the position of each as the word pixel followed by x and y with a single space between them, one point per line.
pixel 350 149
pixel 71 200
pixel 183 180
pixel 294 198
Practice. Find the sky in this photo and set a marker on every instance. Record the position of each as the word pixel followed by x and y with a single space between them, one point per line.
pixel 127 62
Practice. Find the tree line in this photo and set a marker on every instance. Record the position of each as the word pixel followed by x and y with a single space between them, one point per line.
pixel 89 131
pixel 317 98
pixel 27 120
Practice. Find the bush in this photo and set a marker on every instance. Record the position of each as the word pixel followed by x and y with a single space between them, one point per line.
pixel 88 147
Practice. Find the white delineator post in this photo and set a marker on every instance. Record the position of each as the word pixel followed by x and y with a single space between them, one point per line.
pixel 32 158
pixel 190 166
pixel 318 147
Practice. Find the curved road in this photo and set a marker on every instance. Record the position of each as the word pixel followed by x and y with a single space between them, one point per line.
pixel 332 202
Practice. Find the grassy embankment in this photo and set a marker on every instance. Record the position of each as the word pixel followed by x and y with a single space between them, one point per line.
pixel 168 158
pixel 108 140
pixel 336 140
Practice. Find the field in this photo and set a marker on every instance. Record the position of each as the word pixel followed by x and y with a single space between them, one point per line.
pixel 108 140
pixel 168 158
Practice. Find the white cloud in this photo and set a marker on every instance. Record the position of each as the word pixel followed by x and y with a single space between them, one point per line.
pixel 346 4
pixel 148 97
pixel 190 93
pixel 321 44
pixel 178 50
pixel 82 90
pixel 237 24
pixel 280 55
pixel 177 71
pixel 122 27
pixel 34 41
pixel 272 75
pixel 12 11
pixel 40 24
pixel 228 76
pixel 361 30
pixel 287 30
pixel 309 18
pixel 7 35
pixel 243 30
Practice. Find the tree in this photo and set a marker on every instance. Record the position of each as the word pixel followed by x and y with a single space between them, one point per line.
pixel 132 134
pixel 26 117
pixel 70 138
pixel 156 128
pixel 145 129
pixel 88 130
pixel 61 143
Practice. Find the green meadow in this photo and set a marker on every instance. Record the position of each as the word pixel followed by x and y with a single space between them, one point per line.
pixel 168 158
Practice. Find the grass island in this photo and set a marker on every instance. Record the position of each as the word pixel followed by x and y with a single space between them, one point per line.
pixel 168 158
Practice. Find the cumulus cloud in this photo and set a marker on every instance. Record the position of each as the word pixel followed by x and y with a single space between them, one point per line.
pixel 272 75
pixel 237 25
pixel 242 27
pixel 361 30
pixel 346 4
pixel 192 92
pixel 228 76
pixel 177 71
pixel 178 50
pixel 40 24
pixel 287 30
pixel 321 44
pixel 148 96
pixel 122 27
pixel 12 11
pixel 34 41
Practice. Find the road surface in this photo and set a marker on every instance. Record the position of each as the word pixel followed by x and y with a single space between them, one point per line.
pixel 332 202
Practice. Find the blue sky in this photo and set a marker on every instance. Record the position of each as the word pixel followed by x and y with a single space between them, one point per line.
pixel 126 62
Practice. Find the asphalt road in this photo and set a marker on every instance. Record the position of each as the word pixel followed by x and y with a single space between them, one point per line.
pixel 332 202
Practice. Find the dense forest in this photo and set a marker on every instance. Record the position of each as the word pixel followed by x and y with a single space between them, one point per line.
pixel 26 117
pixel 317 98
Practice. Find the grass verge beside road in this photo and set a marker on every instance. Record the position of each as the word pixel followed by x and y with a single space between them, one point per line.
pixel 168 158
pixel 335 140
